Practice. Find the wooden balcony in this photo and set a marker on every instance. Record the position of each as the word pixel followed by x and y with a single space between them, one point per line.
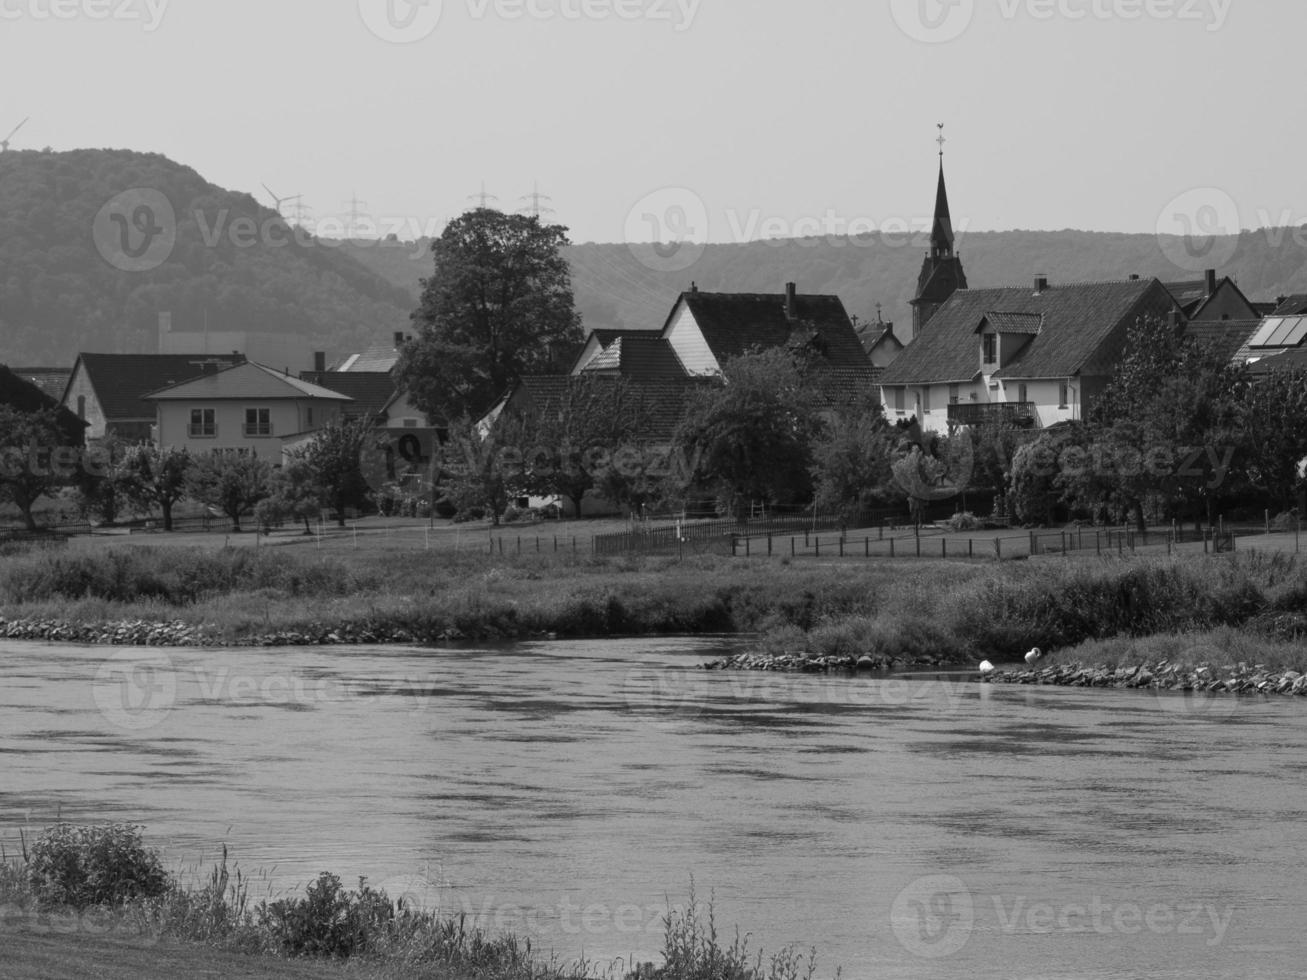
pixel 1020 414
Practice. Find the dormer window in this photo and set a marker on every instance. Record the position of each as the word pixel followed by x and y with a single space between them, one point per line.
pixel 989 348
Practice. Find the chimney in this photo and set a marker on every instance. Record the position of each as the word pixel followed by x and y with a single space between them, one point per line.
pixel 320 361
pixel 1041 284
pixel 791 296
pixel 1211 281
pixel 399 340
pixel 1134 277
pixel 694 287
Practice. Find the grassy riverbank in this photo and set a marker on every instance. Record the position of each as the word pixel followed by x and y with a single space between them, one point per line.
pixel 95 902
pixel 907 610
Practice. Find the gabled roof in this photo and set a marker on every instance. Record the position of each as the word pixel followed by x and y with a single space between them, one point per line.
pixel 1225 337
pixel 733 323
pixel 1078 320
pixel 121 381
pixel 1188 294
pixel 52 381
pixel 873 335
pixel 645 355
pixel 21 394
pixel 246 382
pixel 372 391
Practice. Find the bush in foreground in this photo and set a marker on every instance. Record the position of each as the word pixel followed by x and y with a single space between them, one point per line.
pixel 79 867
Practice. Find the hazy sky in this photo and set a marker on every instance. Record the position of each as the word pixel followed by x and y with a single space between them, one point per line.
pixel 1094 114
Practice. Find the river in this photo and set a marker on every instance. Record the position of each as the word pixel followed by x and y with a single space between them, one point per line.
pixel 909 826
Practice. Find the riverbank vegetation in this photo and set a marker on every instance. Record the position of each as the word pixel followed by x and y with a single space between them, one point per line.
pixel 104 882
pixel 930 611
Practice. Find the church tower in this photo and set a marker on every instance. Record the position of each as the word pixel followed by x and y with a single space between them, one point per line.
pixel 941 273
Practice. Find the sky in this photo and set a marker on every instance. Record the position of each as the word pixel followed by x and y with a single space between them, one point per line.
pixel 721 120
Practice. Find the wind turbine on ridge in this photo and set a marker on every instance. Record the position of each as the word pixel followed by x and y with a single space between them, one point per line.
pixel 4 143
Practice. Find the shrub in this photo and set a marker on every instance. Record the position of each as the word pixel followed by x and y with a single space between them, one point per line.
pixel 77 867
pixel 329 921
pixel 514 514
pixel 964 521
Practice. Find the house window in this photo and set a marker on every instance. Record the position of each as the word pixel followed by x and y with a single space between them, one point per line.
pixel 925 400
pixel 308 417
pixel 990 342
pixel 1022 394
pixel 952 394
pixel 410 423
pixel 898 399
pixel 1061 395
pixel 258 422
pixel 81 407
pixel 204 424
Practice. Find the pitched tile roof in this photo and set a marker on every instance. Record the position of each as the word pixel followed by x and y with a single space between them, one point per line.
pixel 121 381
pixel 372 391
pixel 52 381
pixel 1023 323
pixel 246 381
pixel 1079 320
pixel 732 323
pixel 1189 294
pixel 1286 360
pixel 662 400
pixel 379 357
pixel 644 355
pixel 1295 305
pixel 1225 337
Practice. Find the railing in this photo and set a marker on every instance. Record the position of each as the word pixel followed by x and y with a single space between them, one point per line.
pixel 203 431
pixel 255 431
pixel 982 413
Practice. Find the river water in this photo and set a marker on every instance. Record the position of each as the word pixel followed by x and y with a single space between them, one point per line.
pixel 910 826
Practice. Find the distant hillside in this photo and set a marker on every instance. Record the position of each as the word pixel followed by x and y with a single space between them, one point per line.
pixel 60 293
pixel 614 289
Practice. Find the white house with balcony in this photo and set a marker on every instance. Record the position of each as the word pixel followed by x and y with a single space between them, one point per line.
pixel 247 408
pixel 1034 355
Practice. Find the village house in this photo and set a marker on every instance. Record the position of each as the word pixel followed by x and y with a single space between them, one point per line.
pixel 246 408
pixel 108 391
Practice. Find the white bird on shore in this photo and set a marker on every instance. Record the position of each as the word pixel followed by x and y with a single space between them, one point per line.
pixel 986 667
pixel 1034 655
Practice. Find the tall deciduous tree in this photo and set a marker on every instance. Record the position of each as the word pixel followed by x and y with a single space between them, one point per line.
pixel 485 469
pixel 1273 423
pixel 36 458
pixel 335 459
pixel 154 477
pixel 852 461
pixel 498 306
pixel 751 436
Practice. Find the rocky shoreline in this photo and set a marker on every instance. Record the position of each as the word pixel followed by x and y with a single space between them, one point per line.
pixel 142 633
pixel 1162 676
pixel 796 663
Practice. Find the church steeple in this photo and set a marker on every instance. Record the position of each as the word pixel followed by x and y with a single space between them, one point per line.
pixel 941 273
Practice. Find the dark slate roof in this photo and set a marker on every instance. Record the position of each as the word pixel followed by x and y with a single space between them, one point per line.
pixel 1079 319
pixel 871 334
pixel 19 393
pixel 644 355
pixel 663 400
pixel 52 381
pixel 732 323
pixel 121 381
pixel 372 391
pixel 1288 360
pixel 1188 294
pixel 1226 337
pixel 1295 305
pixel 379 357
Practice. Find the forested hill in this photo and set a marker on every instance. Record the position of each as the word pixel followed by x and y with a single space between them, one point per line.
pixel 615 288
pixel 60 292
